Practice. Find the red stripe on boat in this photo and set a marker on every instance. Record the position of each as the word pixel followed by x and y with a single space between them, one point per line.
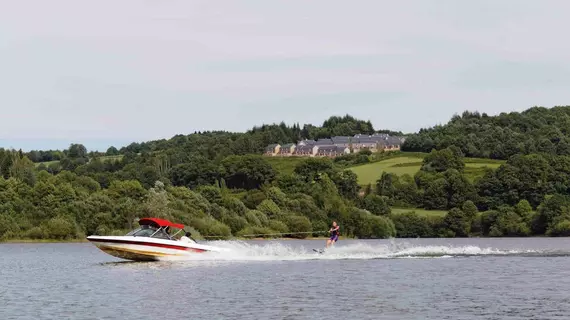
pixel 152 244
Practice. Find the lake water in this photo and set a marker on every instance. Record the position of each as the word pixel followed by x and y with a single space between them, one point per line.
pixel 380 279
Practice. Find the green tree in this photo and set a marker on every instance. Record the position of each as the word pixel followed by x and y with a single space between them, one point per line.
pixel 299 226
pixel 458 222
pixel 23 170
pixel 312 168
pixel 386 185
pixel 77 151
pixel 61 228
pixel 247 172
pixel 443 160
pixel 112 151
pixel 412 225
pixel 377 205
pixel 200 171
pixel 347 183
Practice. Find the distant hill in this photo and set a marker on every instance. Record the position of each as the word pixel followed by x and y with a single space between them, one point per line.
pixel 536 130
pixel 217 145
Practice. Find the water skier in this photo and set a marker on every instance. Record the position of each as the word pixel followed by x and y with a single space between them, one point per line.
pixel 334 231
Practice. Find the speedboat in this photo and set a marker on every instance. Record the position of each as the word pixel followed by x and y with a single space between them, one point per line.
pixel 151 242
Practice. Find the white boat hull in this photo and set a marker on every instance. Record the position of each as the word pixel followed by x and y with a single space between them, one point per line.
pixel 148 249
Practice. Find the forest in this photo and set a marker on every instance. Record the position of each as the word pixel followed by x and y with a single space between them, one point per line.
pixel 218 184
pixel 535 130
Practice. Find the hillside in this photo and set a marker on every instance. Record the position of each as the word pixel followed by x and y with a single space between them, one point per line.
pixel 478 135
pixel 219 184
pixel 411 163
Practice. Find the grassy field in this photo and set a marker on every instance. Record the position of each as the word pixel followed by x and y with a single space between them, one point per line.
pixel 421 212
pixel 103 158
pixel 284 165
pixel 370 173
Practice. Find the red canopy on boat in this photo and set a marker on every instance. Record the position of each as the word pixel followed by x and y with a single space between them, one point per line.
pixel 160 223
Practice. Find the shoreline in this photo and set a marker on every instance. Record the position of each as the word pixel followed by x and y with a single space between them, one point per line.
pixel 86 241
pixel 43 241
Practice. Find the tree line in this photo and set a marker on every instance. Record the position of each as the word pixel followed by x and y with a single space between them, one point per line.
pixel 241 195
pixel 536 130
pixel 215 183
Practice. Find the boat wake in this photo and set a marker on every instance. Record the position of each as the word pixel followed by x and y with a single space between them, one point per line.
pixel 277 251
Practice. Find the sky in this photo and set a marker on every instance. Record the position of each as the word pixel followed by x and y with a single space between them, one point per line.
pixel 107 72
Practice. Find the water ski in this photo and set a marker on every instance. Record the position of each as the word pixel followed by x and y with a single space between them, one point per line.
pixel 319 250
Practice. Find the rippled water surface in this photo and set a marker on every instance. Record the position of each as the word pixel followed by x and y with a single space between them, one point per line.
pixel 384 279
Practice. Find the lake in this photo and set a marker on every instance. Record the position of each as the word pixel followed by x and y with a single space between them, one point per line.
pixel 376 279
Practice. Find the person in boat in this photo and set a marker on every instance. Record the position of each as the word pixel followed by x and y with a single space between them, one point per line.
pixel 187 238
pixel 334 231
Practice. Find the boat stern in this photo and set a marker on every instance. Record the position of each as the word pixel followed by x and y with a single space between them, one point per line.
pixel 128 250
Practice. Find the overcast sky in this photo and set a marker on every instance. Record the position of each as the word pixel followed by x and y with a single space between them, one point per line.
pixel 112 72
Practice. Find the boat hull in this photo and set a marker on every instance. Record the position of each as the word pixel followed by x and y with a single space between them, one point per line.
pixel 148 249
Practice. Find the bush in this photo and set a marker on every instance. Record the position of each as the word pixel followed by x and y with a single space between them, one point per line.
pixel 277 196
pixel 376 204
pixel 253 198
pixel 412 225
pixel 218 212
pixel 61 228
pixel 278 226
pixel 8 226
pixel 37 233
pixel 299 226
pixel 319 227
pixel 504 222
pixel 458 222
pixel 512 225
pixel 211 229
pixel 367 226
pixel 270 208
pixel 561 229
pixel 382 227
pixel 234 205
pixel 256 218
pixel 212 193
pixel 218 230
pixel 261 232
pixel 437 224
pixel 476 228
pixel 236 223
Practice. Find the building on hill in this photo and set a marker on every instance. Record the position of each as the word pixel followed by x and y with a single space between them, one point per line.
pixel 341 141
pixel 305 150
pixel 324 142
pixel 272 149
pixel 392 143
pixel 306 143
pixel 343 145
pixel 377 142
pixel 331 151
pixel 287 150
pixel 381 135
pixel 363 142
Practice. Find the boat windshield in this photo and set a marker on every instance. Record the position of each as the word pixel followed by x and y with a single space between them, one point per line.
pixel 148 231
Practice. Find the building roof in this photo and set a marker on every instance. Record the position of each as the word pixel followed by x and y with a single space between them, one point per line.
pixel 288 145
pixel 324 142
pixel 304 149
pixel 393 141
pixel 384 135
pixel 366 141
pixel 271 147
pixel 307 142
pixel 340 139
pixel 342 144
pixel 332 148
pixel 327 148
